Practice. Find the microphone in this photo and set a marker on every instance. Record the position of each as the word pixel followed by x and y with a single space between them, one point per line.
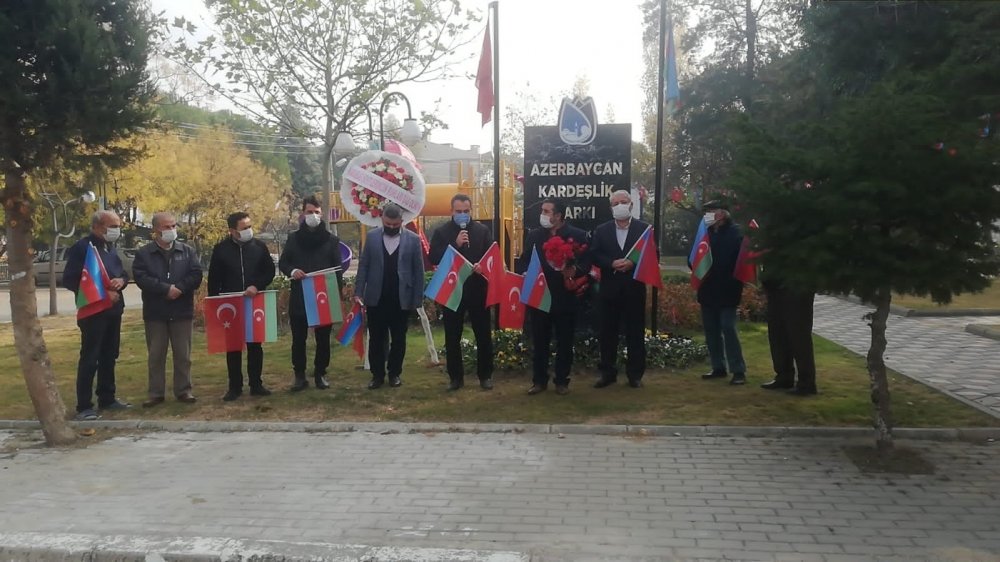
pixel 464 227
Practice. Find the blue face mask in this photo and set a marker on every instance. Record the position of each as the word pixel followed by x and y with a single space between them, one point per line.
pixel 462 219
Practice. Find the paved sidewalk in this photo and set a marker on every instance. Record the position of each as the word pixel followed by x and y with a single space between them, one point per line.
pixel 514 497
pixel 936 351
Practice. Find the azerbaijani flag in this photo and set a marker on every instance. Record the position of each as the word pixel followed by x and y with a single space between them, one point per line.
pixel 260 317
pixel 321 309
pixel 351 329
pixel 445 287
pixel 492 268
pixel 92 297
pixel 535 291
pixel 702 261
pixel 702 229
pixel 647 266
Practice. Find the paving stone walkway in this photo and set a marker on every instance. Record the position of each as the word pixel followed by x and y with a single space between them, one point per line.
pixel 934 350
pixel 520 496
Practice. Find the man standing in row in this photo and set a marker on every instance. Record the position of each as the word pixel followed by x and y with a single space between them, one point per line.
pixel 471 239
pixel 100 333
pixel 561 317
pixel 310 248
pixel 241 264
pixel 622 299
pixel 390 284
pixel 168 273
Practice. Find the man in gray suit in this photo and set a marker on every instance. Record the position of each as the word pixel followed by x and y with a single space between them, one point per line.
pixel 390 284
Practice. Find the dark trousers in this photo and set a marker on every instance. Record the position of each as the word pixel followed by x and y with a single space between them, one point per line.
pixel 628 309
pixel 386 328
pixel 100 337
pixel 300 333
pixel 255 366
pixel 543 324
pixel 789 332
pixel 721 338
pixel 479 318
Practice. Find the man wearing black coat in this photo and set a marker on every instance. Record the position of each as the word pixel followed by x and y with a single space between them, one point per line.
pixel 241 264
pixel 566 288
pixel 311 248
pixel 719 295
pixel 168 273
pixel 471 239
pixel 622 299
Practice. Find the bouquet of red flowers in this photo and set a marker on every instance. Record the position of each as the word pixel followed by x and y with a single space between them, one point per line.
pixel 562 253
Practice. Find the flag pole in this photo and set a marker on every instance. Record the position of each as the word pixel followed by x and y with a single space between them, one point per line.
pixel 658 187
pixel 497 230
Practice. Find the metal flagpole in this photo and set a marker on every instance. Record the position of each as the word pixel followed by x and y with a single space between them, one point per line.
pixel 497 230
pixel 658 187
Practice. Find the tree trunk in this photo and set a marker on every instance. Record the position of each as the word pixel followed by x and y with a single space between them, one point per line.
pixel 28 338
pixel 882 412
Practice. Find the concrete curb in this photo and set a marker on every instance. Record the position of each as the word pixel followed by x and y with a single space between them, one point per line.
pixel 984 331
pixel 972 434
pixel 32 547
pixel 927 312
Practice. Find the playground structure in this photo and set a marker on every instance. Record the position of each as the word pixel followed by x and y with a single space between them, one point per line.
pixel 438 204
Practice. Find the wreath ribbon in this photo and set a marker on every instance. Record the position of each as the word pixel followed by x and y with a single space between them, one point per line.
pixel 385 188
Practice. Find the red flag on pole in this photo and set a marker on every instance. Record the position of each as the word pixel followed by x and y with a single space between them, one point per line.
pixel 484 79
pixel 511 309
pixel 492 268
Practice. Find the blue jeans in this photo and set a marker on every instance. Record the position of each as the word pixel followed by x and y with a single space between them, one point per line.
pixel 720 334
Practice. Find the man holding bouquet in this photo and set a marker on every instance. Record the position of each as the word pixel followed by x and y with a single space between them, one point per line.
pixel 565 263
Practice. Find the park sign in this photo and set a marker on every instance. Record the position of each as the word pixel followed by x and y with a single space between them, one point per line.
pixel 583 176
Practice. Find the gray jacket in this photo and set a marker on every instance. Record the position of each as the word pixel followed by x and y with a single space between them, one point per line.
pixel 368 284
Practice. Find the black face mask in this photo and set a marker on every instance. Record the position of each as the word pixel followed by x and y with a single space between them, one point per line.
pixel 391 231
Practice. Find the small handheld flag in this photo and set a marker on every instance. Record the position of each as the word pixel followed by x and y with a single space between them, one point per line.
pixel 492 268
pixel 512 309
pixel 260 317
pixel 647 265
pixel 352 331
pixel 535 291
pixel 225 330
pixel 92 296
pixel 322 309
pixel 445 287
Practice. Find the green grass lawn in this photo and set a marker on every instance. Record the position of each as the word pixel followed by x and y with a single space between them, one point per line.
pixel 990 298
pixel 669 397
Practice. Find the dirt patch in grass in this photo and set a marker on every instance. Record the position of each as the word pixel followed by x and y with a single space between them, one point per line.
pixel 900 460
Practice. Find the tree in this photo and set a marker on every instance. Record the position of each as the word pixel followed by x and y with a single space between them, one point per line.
pixel 74 83
pixel 859 195
pixel 325 58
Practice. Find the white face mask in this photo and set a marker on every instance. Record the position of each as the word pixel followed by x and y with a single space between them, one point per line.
pixel 545 221
pixel 710 218
pixel 313 220
pixel 113 234
pixel 246 235
pixel 169 236
pixel 621 211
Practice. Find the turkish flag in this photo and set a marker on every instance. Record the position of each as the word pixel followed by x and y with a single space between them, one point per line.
pixel 511 307
pixel 484 79
pixel 224 323
pixel 493 269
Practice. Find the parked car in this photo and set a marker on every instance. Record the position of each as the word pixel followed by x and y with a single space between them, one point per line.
pixel 40 266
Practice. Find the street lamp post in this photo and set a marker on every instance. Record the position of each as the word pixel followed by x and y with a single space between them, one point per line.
pixel 410 132
pixel 52 199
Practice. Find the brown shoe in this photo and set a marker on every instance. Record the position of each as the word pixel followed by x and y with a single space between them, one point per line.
pixel 152 402
pixel 536 388
pixel 186 398
pixel 562 390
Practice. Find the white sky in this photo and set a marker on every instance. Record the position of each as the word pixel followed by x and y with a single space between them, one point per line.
pixel 544 43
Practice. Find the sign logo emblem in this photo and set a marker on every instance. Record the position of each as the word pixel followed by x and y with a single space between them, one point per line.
pixel 577 121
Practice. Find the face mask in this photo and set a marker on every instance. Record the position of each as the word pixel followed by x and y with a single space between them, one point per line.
pixel 462 219
pixel 545 221
pixel 710 218
pixel 246 235
pixel 113 234
pixel 390 231
pixel 313 220
pixel 621 211
pixel 169 236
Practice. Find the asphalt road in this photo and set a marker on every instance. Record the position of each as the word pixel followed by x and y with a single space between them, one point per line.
pixel 65 301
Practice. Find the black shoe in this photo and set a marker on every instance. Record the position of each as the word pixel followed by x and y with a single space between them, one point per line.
pixel 777 385
pixel 605 381
pixel 738 379
pixel 152 402
pixel 115 406
pixel 635 383
pixel 537 388
pixel 798 391
pixel 714 375
pixel 562 389
pixel 395 382
pixel 375 383
pixel 232 395
pixel 321 382
pixel 300 382
pixel 455 384
pixel 259 391
pixel 486 384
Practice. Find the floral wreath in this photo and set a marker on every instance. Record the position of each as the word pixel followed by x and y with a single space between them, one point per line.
pixel 369 180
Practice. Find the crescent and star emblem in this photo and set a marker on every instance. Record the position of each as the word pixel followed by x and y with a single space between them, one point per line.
pixel 256 312
pixel 452 278
pixel 321 297
pixel 218 314
pixel 489 264
pixel 513 297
